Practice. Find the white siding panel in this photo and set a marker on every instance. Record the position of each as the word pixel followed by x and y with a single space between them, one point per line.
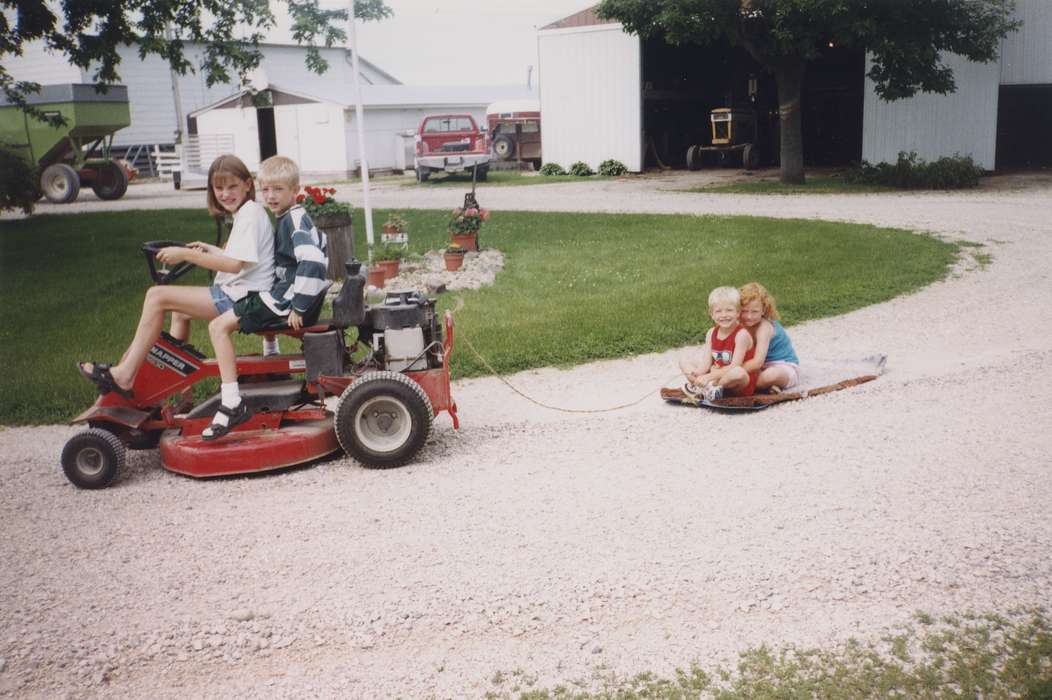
pixel 149 97
pixel 964 122
pixel 38 65
pixel 238 122
pixel 591 96
pixel 1026 55
pixel 320 135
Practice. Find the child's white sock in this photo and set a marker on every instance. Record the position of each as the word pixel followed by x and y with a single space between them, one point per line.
pixel 231 397
pixel 270 346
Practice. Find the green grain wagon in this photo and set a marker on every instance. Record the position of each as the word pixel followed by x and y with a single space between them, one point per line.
pixel 61 152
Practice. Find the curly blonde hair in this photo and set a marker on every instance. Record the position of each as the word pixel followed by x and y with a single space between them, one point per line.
pixel 754 291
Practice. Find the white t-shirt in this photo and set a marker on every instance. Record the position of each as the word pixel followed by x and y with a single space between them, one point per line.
pixel 251 241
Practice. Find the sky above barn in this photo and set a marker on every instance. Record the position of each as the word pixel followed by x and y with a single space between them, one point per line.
pixel 456 42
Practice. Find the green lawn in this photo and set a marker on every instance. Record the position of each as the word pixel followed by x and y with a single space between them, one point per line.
pixel 576 287
pixel 818 184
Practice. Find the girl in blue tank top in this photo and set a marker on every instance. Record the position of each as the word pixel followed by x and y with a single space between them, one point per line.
pixel 775 358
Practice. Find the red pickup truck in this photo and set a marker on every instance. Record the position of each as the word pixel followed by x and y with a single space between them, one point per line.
pixel 450 143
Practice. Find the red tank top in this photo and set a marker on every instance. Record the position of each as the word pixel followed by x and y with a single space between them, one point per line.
pixel 723 350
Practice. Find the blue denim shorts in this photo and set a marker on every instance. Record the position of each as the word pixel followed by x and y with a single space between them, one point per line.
pixel 223 303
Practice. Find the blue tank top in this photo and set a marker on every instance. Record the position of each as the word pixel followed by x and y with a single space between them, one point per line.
pixel 781 348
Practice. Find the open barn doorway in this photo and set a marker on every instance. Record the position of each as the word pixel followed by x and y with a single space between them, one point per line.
pixel 1024 113
pixel 683 84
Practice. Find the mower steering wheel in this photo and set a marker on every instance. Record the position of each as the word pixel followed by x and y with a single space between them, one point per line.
pixel 162 274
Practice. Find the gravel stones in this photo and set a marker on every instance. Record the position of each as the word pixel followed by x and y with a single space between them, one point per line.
pixel 429 275
pixel 531 538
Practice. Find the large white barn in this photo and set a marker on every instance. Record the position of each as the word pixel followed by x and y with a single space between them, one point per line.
pixel 608 94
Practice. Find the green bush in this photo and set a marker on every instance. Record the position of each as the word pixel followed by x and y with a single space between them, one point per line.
pixel 19 187
pixel 612 168
pixel 913 173
pixel 581 169
pixel 552 169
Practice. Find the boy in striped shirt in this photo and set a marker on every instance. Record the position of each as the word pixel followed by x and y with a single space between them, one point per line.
pixel 300 264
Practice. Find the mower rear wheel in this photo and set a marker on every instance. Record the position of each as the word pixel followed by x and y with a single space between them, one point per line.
pixel 93 459
pixel 422 173
pixel 383 419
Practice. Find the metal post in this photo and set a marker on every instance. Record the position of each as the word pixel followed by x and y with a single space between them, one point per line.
pixel 360 119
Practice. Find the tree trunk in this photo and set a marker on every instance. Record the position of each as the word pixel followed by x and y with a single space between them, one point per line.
pixel 790 77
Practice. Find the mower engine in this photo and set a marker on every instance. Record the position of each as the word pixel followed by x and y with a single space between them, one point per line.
pixel 404 332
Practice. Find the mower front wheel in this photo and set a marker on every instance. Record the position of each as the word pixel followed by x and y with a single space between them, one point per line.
pixel 93 459
pixel 383 419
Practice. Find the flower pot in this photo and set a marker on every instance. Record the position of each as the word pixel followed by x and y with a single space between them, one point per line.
pixel 376 276
pixel 467 241
pixel 453 261
pixel 390 267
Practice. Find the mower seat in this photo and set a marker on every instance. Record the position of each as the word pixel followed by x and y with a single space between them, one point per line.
pixel 310 319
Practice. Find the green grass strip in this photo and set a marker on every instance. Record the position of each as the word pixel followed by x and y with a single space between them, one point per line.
pixel 969 656
pixel 575 288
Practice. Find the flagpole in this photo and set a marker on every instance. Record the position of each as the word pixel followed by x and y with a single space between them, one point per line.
pixel 360 120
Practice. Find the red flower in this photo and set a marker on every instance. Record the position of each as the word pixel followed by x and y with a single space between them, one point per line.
pixel 318 197
pixel 331 190
pixel 300 198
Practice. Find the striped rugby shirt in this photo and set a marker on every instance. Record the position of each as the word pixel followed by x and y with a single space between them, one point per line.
pixel 300 263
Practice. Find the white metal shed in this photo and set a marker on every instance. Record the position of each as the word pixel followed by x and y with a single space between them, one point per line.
pixel 591 96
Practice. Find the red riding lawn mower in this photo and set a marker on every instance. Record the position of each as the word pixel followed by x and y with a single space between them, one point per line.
pixel 382 418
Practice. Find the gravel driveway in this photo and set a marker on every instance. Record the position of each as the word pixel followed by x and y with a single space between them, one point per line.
pixel 557 543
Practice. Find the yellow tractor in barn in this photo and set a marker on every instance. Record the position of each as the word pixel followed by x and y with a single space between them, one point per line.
pixel 733 131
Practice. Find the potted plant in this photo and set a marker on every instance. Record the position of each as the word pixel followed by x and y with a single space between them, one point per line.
pixel 393 230
pixel 389 258
pixel 464 226
pixel 334 219
pixel 454 257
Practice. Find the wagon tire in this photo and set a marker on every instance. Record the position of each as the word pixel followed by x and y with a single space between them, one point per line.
pixel 504 147
pixel 383 419
pixel 482 174
pixel 60 183
pixel 111 181
pixel 93 459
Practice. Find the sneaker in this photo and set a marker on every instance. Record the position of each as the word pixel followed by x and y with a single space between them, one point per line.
pixel 713 392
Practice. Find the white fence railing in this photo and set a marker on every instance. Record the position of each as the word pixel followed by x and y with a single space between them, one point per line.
pixel 201 149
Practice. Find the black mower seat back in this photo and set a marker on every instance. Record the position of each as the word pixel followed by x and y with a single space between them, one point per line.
pixel 348 308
